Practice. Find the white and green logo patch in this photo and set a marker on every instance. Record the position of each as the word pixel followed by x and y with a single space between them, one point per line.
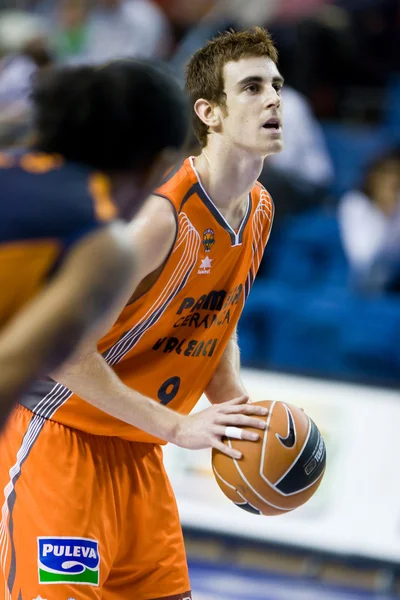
pixel 68 560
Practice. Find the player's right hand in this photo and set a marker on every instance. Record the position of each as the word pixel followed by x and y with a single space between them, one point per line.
pixel 206 429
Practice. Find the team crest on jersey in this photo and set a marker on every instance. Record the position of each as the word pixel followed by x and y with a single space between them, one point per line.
pixel 208 239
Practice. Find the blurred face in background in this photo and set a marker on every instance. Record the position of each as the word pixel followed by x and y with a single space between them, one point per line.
pixel 73 13
pixel 252 116
pixel 384 186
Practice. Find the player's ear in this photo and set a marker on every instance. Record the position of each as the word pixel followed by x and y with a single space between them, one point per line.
pixel 207 112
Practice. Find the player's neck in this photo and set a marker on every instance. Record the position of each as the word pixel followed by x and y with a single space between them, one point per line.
pixel 227 174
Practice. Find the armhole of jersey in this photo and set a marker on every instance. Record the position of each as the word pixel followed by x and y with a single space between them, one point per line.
pixel 264 189
pixel 161 268
pixel 273 213
pixel 175 213
pixel 176 223
pixel 171 173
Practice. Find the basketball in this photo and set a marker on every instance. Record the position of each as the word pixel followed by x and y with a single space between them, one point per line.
pixel 279 472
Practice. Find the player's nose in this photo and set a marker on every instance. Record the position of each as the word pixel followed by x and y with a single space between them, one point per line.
pixel 273 99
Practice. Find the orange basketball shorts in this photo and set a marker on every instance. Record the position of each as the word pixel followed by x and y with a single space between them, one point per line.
pixel 86 517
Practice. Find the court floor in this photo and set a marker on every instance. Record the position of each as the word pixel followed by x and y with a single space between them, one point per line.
pixel 221 583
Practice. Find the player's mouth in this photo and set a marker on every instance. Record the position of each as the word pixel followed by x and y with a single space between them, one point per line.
pixel 274 124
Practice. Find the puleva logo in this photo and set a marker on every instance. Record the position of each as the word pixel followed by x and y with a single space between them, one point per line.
pixel 68 560
pixel 208 239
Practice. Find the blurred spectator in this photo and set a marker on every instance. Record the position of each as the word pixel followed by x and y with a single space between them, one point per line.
pixel 71 29
pixel 376 31
pixel 294 10
pixel 43 8
pixel 246 14
pixel 340 53
pixel 211 16
pixel 183 14
pixel 90 31
pixel 22 51
pixel 15 73
pixel 369 220
pixel 126 28
pixel 39 51
pixel 315 52
pixel 299 177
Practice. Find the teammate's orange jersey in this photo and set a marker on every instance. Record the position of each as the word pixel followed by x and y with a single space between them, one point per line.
pixel 46 206
pixel 168 342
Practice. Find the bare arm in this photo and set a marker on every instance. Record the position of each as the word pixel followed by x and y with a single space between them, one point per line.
pixel 89 375
pixel 48 328
pixel 226 384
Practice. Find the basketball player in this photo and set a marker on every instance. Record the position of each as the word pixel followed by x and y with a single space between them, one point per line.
pixel 88 500
pixel 64 257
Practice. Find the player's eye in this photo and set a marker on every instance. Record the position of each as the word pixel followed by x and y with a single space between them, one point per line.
pixel 253 88
pixel 278 87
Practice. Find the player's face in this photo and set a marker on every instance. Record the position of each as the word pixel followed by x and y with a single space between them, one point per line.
pixel 254 106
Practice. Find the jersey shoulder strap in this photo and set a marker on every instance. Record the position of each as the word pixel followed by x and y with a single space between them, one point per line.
pixel 178 185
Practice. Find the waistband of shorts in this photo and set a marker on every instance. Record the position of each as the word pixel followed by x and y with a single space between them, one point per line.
pixel 23 411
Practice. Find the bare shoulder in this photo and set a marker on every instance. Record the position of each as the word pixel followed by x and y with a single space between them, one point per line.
pixel 153 232
pixel 156 221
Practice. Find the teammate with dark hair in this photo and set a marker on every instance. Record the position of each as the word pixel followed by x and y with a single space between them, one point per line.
pixel 116 117
pixel 103 137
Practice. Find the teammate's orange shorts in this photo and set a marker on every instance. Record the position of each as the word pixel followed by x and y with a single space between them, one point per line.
pixel 86 517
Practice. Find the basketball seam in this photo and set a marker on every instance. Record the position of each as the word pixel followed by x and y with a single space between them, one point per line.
pixel 252 489
pixel 235 490
pixel 271 409
pixel 223 480
pixel 232 487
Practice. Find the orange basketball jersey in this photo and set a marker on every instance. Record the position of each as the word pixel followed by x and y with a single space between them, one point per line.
pixel 168 342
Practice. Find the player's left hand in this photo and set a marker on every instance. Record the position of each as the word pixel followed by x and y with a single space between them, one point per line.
pixel 206 428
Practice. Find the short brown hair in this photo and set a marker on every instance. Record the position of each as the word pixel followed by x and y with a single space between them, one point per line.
pixel 204 71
